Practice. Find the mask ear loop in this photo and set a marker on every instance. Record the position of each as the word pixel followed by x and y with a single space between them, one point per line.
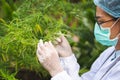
pixel 113 26
pixel 115 23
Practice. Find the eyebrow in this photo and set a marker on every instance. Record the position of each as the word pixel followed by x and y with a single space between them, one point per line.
pixel 97 17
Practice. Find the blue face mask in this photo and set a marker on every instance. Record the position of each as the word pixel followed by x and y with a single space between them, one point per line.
pixel 102 35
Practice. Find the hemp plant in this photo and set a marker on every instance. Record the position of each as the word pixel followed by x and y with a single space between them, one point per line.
pixel 47 20
pixel 31 21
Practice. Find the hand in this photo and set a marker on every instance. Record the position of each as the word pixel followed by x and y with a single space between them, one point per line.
pixel 48 57
pixel 63 47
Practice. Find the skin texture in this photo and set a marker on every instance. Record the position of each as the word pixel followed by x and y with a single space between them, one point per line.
pixel 115 30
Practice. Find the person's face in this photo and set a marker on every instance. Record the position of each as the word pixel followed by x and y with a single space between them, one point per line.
pixel 106 21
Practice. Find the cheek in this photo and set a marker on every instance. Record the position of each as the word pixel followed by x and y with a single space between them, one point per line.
pixel 107 25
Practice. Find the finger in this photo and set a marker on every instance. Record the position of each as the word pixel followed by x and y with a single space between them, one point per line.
pixel 46 44
pixel 41 42
pixel 55 42
pixel 51 45
pixel 40 58
pixel 41 46
pixel 63 39
pixel 46 49
pixel 40 50
pixel 43 54
pixel 58 40
pixel 37 53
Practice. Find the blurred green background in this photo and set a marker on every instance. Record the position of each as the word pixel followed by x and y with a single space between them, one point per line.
pixel 24 22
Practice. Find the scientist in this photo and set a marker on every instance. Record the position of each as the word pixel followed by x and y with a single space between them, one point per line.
pixel 62 64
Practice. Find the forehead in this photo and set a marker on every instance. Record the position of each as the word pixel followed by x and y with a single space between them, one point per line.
pixel 102 13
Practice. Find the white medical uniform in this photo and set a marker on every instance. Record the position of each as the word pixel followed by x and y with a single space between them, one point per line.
pixel 106 67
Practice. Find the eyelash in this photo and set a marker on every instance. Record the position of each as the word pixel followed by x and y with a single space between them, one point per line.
pixel 100 22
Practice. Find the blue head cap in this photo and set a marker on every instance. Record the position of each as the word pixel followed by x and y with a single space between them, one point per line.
pixel 112 7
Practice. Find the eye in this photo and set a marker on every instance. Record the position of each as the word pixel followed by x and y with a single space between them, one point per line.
pixel 100 22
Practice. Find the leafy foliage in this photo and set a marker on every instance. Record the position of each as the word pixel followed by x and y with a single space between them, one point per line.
pixel 45 19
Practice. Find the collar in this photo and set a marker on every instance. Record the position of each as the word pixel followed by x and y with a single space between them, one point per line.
pixel 117 53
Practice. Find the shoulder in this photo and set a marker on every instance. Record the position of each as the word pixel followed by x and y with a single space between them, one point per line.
pixel 114 73
pixel 105 54
pixel 102 58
